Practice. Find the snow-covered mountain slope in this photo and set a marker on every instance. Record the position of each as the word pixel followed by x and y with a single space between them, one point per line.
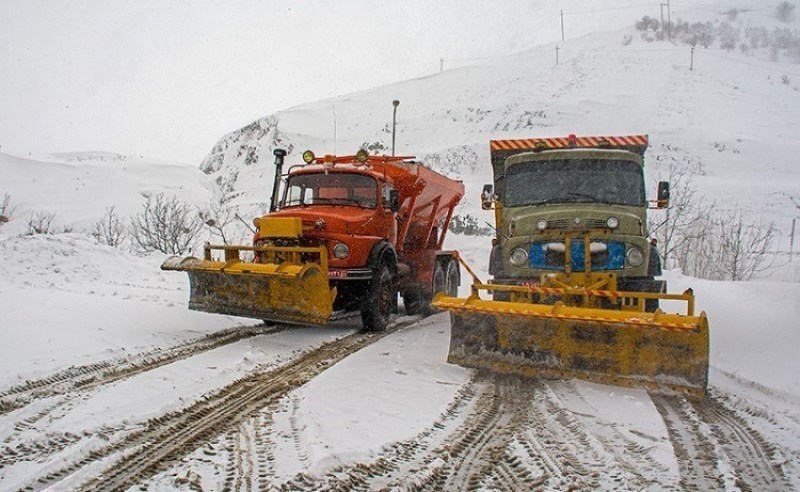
pixel 78 187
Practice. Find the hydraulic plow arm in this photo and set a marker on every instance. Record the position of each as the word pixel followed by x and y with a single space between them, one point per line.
pixel 289 284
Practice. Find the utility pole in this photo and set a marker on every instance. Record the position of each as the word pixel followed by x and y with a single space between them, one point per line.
pixel 691 60
pixel 669 22
pixel 441 65
pixel 662 5
pixel 791 240
pixel 395 103
pixel 556 54
pixel 562 26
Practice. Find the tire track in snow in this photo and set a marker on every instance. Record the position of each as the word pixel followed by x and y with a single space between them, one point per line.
pixel 103 372
pixel 693 449
pixel 67 387
pixel 162 440
pixel 398 466
pixel 715 447
pixel 500 433
pixel 750 454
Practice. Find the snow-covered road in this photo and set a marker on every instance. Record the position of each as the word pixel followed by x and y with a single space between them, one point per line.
pixel 114 380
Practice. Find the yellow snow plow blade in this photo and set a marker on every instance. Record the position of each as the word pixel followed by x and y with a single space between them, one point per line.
pixel 291 287
pixel 656 351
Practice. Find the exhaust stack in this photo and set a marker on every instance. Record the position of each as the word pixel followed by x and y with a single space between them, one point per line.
pixel 279 156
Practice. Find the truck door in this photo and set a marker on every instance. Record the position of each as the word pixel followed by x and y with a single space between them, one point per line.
pixel 389 217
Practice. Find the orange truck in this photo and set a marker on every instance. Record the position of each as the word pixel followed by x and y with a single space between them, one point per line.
pixel 343 233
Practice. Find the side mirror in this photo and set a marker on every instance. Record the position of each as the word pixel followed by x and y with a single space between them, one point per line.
pixel 394 200
pixel 487 197
pixel 663 194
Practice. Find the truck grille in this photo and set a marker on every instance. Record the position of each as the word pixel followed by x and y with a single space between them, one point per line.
pixel 549 255
pixel 568 224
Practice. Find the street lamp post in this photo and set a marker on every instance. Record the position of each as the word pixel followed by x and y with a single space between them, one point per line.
pixel 395 103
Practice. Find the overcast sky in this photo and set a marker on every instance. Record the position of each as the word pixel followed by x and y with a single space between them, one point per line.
pixel 167 79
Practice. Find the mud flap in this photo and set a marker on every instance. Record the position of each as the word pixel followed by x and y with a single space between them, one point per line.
pixel 284 293
pixel 656 351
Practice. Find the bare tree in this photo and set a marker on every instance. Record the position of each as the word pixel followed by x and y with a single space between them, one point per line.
pixel 680 223
pixel 165 225
pixel 784 11
pixel 6 210
pixel 724 247
pixel 41 222
pixel 220 213
pixel 110 229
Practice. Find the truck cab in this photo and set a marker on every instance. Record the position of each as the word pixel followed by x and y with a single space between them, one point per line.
pixel 573 214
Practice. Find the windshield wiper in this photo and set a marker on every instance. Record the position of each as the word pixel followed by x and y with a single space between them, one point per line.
pixel 590 197
pixel 341 201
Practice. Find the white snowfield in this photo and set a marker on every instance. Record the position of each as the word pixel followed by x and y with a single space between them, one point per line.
pixel 105 374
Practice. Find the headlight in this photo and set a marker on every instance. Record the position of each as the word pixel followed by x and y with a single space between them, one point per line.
pixel 612 222
pixel 341 250
pixel 541 224
pixel 635 256
pixel 518 257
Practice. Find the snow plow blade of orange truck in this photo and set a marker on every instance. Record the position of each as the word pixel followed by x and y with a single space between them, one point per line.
pixel 292 290
pixel 657 351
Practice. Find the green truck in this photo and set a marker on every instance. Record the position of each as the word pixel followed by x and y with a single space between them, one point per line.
pixel 575 291
pixel 550 192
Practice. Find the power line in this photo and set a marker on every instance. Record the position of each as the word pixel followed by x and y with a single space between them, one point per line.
pixel 624 7
pixel 681 50
pixel 624 50
pixel 748 63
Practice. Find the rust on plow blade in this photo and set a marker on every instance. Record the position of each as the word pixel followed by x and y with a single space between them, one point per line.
pixel 284 293
pixel 657 351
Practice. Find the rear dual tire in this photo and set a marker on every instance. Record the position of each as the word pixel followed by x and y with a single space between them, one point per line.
pixel 446 277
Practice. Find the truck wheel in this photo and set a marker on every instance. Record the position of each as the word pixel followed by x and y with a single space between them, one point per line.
pixel 658 287
pixel 445 277
pixel 378 306
pixel 413 299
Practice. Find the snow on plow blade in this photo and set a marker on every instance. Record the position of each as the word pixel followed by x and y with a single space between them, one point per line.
pixel 657 351
pixel 292 291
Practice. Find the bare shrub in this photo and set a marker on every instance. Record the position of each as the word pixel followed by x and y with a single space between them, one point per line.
pixel 648 23
pixel 220 214
pixel 784 11
pixel 744 248
pixel 732 14
pixel 165 225
pixel 41 222
pixel 468 225
pixel 727 248
pixel 757 37
pixel 728 36
pixel 785 80
pixel 110 229
pixel 701 33
pixel 6 210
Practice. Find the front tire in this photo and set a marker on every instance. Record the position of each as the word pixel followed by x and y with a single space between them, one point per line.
pixel 378 306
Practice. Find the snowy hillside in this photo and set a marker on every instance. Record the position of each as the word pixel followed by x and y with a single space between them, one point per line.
pixel 76 188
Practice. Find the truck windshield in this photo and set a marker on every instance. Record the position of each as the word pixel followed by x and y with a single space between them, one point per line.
pixel 355 190
pixel 613 182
